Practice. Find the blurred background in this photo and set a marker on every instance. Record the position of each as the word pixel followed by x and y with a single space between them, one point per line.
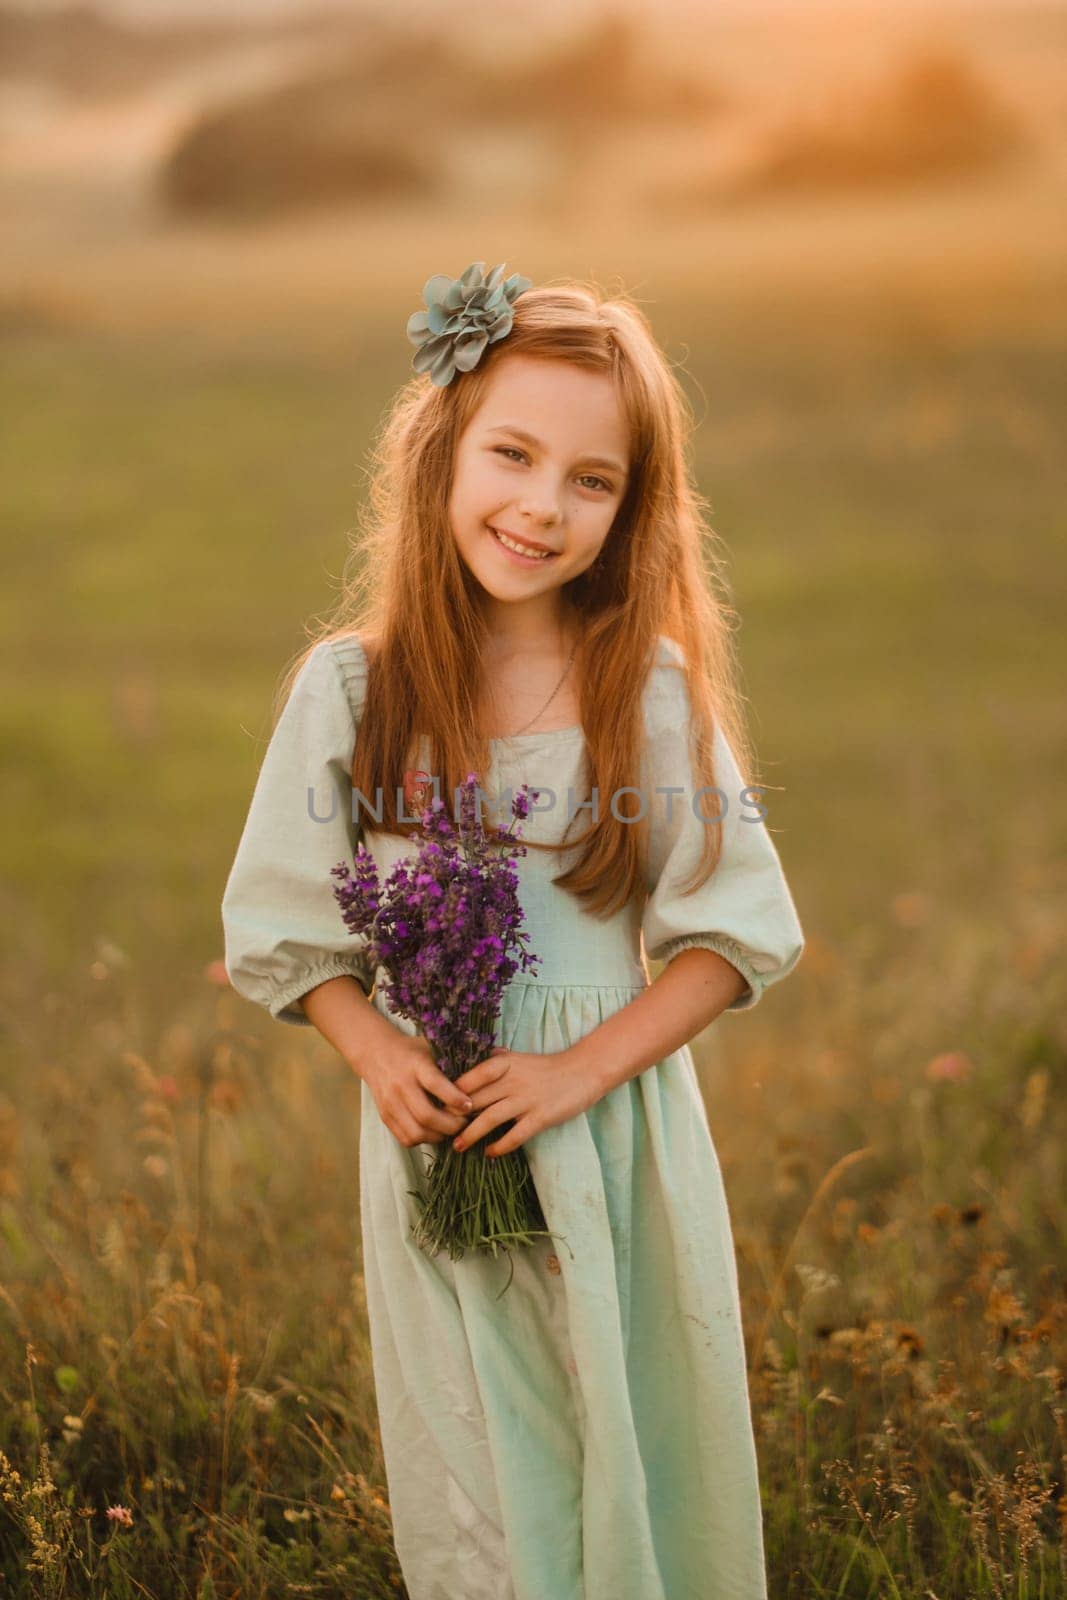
pixel 847 225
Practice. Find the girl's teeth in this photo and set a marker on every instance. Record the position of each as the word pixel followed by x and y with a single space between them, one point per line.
pixel 522 550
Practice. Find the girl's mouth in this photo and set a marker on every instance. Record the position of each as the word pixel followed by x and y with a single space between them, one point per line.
pixel 516 555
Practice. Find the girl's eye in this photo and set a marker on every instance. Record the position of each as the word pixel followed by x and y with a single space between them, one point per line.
pixel 510 450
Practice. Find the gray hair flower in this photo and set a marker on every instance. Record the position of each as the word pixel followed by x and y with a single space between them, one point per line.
pixel 463 316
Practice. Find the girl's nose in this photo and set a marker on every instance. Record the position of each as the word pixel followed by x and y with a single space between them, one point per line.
pixel 542 508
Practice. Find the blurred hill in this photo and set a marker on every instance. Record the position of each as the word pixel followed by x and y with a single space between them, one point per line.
pixel 382 118
pixel 932 116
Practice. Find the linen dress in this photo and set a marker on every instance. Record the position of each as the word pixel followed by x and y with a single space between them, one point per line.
pixel 587 1435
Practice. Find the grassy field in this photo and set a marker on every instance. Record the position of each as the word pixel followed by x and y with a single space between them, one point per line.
pixel 182 1316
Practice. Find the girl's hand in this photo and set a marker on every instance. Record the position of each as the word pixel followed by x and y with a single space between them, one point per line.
pixel 536 1091
pixel 403 1081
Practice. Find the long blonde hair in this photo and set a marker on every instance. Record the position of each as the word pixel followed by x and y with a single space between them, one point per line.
pixel 409 596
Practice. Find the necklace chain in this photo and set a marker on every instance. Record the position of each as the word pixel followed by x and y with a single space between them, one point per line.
pixel 551 697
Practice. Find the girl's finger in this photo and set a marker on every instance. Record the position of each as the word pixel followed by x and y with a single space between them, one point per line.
pixel 442 1123
pixel 514 1139
pixel 477 1077
pixel 435 1082
pixel 429 1111
pixel 483 1124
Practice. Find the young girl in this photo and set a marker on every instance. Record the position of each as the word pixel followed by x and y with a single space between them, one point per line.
pixel 536 606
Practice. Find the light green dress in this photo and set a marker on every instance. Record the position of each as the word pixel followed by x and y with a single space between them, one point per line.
pixel 588 1435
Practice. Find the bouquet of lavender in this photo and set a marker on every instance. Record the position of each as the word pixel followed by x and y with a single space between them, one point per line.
pixel 442 927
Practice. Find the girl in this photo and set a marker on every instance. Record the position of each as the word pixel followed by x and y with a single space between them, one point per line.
pixel 535 606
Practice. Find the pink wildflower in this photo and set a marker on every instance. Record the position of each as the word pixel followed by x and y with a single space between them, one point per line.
pixel 953 1067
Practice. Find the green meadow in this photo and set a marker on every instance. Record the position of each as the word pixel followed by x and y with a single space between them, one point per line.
pixel 182 1326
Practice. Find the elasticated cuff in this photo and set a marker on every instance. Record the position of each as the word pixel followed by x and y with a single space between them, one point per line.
pixel 730 951
pixel 337 967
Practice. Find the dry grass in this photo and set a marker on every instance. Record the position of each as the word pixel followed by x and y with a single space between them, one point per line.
pixel 186 1372
pixel 906 1279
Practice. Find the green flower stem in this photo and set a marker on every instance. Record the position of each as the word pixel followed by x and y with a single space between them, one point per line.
pixel 473 1201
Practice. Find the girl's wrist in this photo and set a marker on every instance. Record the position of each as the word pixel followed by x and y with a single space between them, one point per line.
pixel 345 1017
pixel 580 1061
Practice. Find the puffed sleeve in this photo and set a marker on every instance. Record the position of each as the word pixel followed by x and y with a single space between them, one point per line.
pixel 744 911
pixel 284 933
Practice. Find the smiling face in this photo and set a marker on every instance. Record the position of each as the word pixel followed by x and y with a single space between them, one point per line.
pixel 543 461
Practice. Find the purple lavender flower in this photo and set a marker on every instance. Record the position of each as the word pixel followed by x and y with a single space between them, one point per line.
pixel 446 926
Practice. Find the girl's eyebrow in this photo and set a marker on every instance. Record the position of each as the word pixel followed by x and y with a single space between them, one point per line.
pixel 591 461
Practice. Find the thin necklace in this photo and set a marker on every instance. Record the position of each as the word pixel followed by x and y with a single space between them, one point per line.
pixel 551 697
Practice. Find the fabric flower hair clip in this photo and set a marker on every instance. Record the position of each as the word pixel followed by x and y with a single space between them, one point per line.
pixel 464 315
